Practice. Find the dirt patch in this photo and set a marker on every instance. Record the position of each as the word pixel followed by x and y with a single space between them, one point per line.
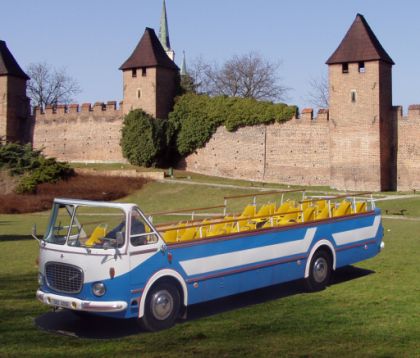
pixel 78 187
pixel 7 182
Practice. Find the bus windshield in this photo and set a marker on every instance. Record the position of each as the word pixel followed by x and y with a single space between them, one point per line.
pixel 85 226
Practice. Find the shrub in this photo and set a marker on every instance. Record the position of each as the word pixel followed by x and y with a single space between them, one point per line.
pixel 79 187
pixel 32 166
pixel 195 118
pixel 143 138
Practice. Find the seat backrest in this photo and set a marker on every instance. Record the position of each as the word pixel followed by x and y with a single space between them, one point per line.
pixel 98 233
pixel 248 211
pixel 321 204
pixel 283 208
pixel 360 206
pixel 343 209
pixel 308 214
pixel 323 214
pixel 189 234
pixel 170 235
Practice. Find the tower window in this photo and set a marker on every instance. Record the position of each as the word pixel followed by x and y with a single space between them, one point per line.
pixel 143 71
pixel 345 68
pixel 138 93
pixel 362 67
pixel 353 96
pixel 134 72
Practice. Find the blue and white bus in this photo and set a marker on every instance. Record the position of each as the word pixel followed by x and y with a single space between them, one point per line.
pixel 110 259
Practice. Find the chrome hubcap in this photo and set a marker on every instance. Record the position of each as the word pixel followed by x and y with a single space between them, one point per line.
pixel 162 304
pixel 320 269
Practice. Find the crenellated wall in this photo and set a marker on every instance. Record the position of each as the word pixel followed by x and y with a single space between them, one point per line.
pixel 293 152
pixel 86 133
pixel 408 157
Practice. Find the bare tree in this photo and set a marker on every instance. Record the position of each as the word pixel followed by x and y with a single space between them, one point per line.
pixel 249 76
pixel 199 71
pixel 318 94
pixel 50 86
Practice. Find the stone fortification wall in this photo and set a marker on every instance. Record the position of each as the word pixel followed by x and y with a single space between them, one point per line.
pixel 408 158
pixel 294 152
pixel 83 133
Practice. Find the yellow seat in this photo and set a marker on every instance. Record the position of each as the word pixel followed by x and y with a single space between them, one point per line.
pixel 323 214
pixel 248 211
pixel 265 211
pixel 216 229
pixel 188 234
pixel 361 207
pixel 283 208
pixel 97 234
pixel 308 214
pixel 170 236
pixel 304 205
pixel 343 209
pixel 321 204
pixel 289 218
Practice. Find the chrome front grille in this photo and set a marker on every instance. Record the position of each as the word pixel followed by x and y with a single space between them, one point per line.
pixel 63 277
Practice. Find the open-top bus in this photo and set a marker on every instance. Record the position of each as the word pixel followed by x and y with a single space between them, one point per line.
pixel 111 259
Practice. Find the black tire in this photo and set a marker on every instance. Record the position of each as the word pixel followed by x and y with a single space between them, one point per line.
pixel 162 307
pixel 319 271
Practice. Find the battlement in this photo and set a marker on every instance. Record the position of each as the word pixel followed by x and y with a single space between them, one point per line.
pixel 413 113
pixel 58 111
pixel 307 114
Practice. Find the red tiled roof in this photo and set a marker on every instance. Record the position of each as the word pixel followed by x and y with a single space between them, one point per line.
pixel 359 44
pixel 149 53
pixel 8 64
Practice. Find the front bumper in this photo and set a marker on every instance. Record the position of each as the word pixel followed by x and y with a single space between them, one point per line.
pixel 80 305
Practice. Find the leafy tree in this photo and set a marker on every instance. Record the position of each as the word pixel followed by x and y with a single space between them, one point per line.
pixel 143 138
pixel 50 86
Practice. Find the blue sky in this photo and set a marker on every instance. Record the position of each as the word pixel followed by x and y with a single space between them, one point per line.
pixel 92 38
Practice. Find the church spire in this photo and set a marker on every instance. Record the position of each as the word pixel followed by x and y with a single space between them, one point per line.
pixel 164 33
pixel 183 66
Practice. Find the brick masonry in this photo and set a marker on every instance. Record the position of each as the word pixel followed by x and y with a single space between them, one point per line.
pixel 80 133
pixel 294 152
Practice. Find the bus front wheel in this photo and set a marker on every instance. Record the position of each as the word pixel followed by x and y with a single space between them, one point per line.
pixel 162 307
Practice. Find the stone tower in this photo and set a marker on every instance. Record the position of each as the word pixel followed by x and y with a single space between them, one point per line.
pixel 363 135
pixel 150 78
pixel 14 105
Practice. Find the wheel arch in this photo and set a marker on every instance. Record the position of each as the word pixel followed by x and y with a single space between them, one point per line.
pixel 320 245
pixel 160 276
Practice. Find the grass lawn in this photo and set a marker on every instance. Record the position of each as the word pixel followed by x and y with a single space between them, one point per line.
pixel 371 310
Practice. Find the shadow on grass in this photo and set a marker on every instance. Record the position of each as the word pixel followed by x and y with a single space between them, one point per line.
pixel 15 237
pixel 93 327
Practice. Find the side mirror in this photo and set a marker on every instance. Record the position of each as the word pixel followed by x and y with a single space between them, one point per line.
pixel 120 238
pixel 33 232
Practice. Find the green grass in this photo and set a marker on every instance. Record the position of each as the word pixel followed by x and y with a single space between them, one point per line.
pixel 407 207
pixel 371 315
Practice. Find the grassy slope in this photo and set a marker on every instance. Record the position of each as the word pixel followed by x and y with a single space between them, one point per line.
pixel 373 315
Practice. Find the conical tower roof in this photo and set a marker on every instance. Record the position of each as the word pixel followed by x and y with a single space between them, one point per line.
pixel 359 44
pixel 149 53
pixel 8 64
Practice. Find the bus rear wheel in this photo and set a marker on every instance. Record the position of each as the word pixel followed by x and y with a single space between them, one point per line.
pixel 319 271
pixel 162 307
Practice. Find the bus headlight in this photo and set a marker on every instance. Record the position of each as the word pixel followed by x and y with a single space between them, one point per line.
pixel 98 289
pixel 40 279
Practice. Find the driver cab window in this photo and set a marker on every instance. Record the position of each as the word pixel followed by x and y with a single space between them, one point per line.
pixel 140 232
